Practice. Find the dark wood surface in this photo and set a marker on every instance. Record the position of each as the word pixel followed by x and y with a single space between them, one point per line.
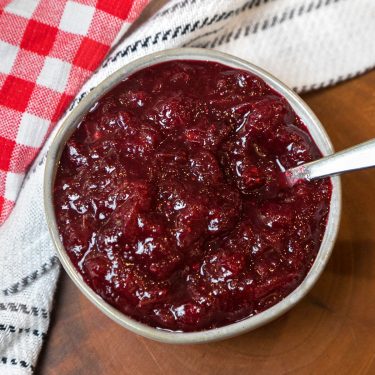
pixel 332 331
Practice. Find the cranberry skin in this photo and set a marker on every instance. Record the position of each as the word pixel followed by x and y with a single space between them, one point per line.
pixel 204 167
pixel 266 116
pixel 169 200
pixel 207 134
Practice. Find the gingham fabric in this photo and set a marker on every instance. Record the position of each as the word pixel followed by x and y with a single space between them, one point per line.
pixel 307 43
pixel 48 49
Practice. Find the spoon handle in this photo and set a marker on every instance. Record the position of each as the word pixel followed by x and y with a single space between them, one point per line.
pixel 358 157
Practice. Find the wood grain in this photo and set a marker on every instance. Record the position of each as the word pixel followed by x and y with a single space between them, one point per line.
pixel 331 331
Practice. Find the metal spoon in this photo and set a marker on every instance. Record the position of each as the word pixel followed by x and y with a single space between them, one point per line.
pixel 358 157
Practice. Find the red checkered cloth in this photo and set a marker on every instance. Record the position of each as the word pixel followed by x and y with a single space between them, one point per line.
pixel 47 51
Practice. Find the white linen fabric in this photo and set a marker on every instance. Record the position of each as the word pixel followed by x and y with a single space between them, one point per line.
pixel 308 44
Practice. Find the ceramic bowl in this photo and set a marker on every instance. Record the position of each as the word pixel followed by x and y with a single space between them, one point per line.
pixel 303 111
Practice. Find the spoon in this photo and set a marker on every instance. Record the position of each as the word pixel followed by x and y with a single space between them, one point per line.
pixel 358 157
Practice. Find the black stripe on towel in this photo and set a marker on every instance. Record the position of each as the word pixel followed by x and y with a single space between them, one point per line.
pixel 173 8
pixel 29 279
pixel 333 81
pixel 21 331
pixel 23 308
pixel 16 362
pixel 277 19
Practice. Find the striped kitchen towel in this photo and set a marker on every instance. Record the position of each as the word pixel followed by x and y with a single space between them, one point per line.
pixel 308 44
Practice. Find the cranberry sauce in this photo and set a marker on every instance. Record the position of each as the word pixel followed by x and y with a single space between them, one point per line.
pixel 168 200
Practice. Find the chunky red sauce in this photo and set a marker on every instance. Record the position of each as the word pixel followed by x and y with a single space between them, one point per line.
pixel 168 200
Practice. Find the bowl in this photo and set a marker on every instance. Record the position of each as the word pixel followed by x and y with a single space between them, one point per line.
pixel 303 111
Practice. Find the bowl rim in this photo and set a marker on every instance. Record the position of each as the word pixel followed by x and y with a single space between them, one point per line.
pixel 247 324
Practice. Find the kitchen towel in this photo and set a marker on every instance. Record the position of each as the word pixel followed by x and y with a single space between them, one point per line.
pixel 308 44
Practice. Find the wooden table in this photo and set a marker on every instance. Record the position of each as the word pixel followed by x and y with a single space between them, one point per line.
pixel 332 331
